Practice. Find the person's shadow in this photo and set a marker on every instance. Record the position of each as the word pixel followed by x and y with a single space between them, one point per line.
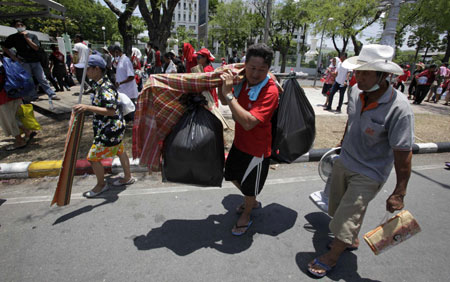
pixel 109 197
pixel 347 267
pixel 184 237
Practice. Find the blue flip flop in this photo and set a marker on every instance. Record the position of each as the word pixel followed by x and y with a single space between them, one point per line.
pixel 325 267
pixel 242 226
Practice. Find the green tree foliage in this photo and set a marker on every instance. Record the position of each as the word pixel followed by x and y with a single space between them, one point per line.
pixel 288 17
pixel 82 16
pixel 186 35
pixel 231 24
pixel 428 22
pixel 350 18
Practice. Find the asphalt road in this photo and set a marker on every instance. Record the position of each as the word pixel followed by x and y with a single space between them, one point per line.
pixel 155 231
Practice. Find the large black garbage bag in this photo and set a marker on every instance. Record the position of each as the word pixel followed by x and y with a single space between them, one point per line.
pixel 293 124
pixel 193 152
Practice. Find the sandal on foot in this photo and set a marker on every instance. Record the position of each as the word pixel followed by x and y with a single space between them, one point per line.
pixel 30 138
pixel 325 267
pixel 240 209
pixel 92 194
pixel 246 227
pixel 129 182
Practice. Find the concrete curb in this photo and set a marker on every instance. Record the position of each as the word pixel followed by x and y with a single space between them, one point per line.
pixel 52 168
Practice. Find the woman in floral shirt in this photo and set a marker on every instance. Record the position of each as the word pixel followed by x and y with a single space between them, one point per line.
pixel 108 124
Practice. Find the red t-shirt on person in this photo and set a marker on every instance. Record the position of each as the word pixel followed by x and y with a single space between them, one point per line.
pixel 257 141
pixel 158 62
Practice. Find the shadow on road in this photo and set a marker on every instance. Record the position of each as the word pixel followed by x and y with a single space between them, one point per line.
pixel 184 237
pixel 109 196
pixel 347 266
pixel 431 179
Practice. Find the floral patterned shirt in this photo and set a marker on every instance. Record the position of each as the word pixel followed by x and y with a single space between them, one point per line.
pixel 108 130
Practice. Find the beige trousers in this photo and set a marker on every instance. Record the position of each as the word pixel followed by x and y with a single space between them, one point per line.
pixel 350 195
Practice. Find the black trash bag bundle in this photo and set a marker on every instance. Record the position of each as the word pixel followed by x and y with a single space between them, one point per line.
pixel 293 124
pixel 193 152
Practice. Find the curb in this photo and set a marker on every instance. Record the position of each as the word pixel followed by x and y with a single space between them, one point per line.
pixel 52 168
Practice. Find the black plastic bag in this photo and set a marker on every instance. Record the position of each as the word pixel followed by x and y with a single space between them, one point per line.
pixel 193 152
pixel 293 124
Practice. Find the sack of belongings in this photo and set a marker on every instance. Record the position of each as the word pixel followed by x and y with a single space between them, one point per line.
pixel 293 124
pixel 193 152
pixel 19 82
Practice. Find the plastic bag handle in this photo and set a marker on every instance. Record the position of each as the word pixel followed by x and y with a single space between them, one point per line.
pixel 388 215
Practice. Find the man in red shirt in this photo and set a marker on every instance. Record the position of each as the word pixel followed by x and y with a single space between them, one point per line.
pixel 252 104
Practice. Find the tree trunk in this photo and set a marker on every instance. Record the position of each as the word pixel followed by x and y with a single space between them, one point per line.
pixel 357 46
pixel 125 27
pixel 158 24
pixel 425 54
pixel 283 59
pixel 447 52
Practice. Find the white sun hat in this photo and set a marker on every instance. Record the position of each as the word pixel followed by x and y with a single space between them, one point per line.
pixel 374 57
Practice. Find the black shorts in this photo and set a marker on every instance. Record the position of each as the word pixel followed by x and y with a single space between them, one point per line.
pixel 251 172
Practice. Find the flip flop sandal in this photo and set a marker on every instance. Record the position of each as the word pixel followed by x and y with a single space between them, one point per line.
pixel 325 267
pixel 246 227
pixel 240 209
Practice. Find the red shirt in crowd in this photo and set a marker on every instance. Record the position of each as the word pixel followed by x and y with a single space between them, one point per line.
pixel 404 77
pixel 429 74
pixel 258 140
pixel 158 58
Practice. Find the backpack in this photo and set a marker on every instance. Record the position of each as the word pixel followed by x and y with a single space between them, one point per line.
pixel 18 83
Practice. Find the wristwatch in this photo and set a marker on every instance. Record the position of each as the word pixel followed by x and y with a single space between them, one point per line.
pixel 229 97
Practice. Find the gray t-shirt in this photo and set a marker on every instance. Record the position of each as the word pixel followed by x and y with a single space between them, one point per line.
pixel 374 133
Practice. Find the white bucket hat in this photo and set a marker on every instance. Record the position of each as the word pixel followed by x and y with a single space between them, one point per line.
pixel 374 57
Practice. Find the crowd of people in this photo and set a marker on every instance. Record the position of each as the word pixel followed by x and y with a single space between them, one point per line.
pixel 429 82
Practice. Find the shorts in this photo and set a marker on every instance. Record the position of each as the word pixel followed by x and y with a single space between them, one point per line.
pixel 99 152
pixel 249 171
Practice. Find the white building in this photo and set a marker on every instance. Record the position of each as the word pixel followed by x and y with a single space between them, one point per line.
pixel 186 15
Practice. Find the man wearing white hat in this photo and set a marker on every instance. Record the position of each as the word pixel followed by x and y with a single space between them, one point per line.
pixel 378 136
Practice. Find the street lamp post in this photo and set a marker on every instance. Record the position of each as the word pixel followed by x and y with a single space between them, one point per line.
pixel 104 38
pixel 319 58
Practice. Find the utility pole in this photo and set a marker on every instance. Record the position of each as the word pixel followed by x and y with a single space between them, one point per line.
pixel 268 13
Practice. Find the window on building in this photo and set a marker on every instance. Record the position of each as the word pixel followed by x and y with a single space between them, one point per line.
pixel 179 17
pixel 195 18
pixel 184 17
pixel 192 27
pixel 184 6
pixel 190 19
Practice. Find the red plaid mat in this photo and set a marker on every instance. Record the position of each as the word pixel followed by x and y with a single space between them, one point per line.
pixel 158 108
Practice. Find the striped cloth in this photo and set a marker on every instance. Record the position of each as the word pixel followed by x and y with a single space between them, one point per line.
pixel 158 108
